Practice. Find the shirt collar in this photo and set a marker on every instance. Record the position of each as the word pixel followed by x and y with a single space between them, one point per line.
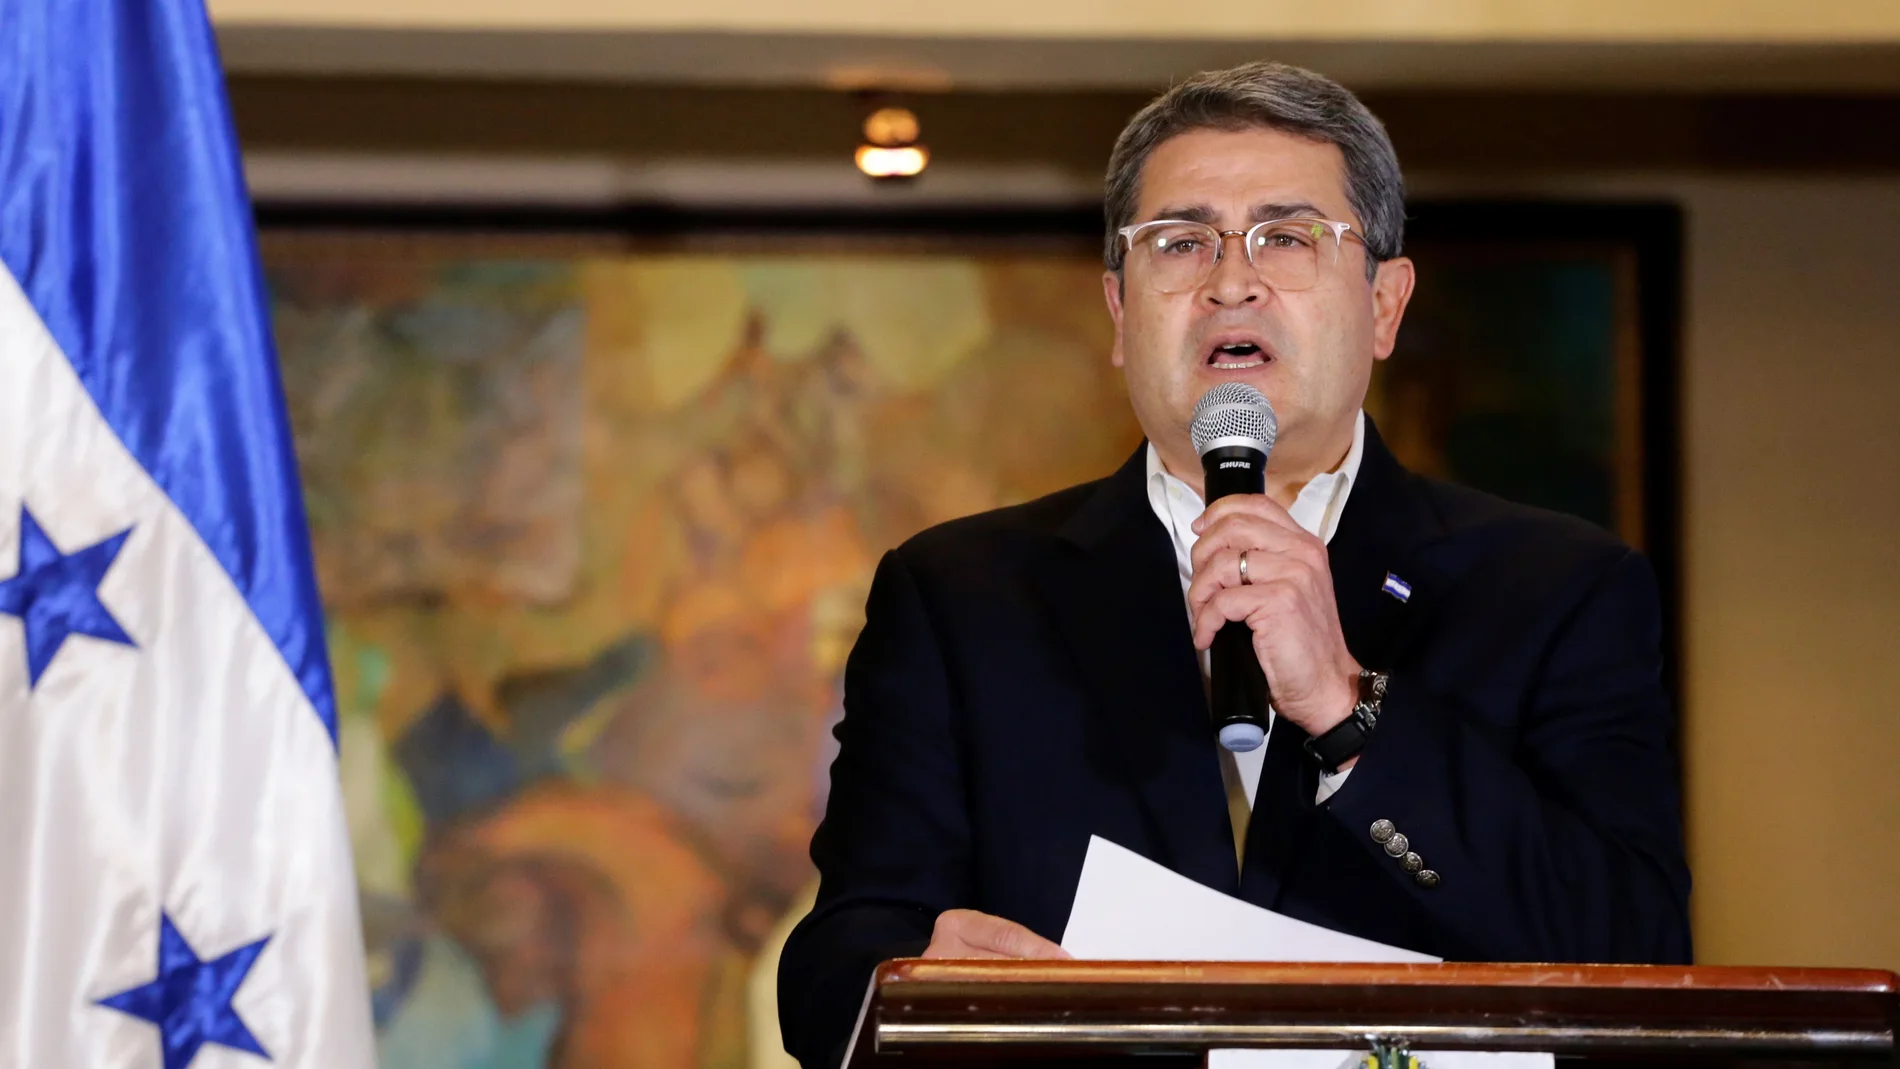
pixel 1317 509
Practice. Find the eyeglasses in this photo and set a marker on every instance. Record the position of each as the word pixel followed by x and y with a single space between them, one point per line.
pixel 1176 255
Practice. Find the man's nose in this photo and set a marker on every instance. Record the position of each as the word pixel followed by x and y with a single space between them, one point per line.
pixel 1234 280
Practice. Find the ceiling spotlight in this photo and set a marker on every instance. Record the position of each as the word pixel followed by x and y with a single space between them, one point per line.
pixel 906 162
pixel 891 150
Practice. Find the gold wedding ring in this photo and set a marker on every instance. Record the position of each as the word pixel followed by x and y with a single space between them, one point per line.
pixel 1244 581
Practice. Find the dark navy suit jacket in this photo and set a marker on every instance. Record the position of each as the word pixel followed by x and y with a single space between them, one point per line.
pixel 1026 678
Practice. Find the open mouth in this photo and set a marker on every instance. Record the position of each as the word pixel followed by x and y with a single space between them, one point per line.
pixel 1237 356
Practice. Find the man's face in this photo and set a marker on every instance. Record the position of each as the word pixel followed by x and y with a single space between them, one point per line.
pixel 1314 348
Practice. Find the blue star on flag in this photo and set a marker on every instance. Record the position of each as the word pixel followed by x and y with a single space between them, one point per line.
pixel 57 594
pixel 190 1000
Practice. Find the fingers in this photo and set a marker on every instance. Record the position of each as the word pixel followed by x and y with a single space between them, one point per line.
pixel 1275 599
pixel 1275 546
pixel 966 933
pixel 1006 938
pixel 961 950
pixel 1249 530
pixel 1220 570
pixel 1264 527
pixel 1257 506
pixel 1304 568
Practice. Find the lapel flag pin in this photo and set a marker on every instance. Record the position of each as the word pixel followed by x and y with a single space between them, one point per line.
pixel 1397 587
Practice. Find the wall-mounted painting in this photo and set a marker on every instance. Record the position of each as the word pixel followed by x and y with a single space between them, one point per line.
pixel 594 522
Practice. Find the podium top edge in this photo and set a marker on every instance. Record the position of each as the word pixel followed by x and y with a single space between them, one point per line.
pixel 1707 978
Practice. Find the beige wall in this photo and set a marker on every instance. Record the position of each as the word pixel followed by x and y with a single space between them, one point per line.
pixel 1792 563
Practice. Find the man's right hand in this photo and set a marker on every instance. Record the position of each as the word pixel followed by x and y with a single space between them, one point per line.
pixel 965 933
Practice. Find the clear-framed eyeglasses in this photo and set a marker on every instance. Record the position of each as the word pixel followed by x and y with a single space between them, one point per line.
pixel 1179 255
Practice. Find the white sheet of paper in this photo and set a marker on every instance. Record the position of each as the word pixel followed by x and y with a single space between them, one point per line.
pixel 1128 908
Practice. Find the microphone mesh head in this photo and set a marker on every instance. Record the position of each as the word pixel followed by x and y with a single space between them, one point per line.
pixel 1234 410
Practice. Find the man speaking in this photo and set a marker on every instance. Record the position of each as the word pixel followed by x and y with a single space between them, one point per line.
pixel 1468 752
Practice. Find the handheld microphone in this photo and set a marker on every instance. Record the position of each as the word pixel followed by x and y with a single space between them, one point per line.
pixel 1233 431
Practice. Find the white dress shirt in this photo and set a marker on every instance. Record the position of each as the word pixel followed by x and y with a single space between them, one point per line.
pixel 1317 510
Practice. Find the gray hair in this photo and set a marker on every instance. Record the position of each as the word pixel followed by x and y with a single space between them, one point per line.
pixel 1279 97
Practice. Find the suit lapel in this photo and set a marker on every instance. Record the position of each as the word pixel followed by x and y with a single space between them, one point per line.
pixel 1385 524
pixel 1112 590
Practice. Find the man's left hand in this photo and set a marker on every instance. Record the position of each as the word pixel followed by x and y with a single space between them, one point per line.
pixel 1287 602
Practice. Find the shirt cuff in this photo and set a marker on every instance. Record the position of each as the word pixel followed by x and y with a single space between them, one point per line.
pixel 1329 782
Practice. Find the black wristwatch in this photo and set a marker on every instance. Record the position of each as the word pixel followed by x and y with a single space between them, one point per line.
pixel 1345 739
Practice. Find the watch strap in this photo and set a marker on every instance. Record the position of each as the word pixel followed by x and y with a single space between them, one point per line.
pixel 1346 739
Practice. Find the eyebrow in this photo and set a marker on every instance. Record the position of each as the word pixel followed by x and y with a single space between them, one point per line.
pixel 1298 210
pixel 1201 213
pixel 1193 213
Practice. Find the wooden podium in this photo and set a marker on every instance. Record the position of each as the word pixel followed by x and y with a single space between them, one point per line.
pixel 949 1012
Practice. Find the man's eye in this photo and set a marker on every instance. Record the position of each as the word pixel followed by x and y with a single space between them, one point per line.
pixel 1181 246
pixel 1285 239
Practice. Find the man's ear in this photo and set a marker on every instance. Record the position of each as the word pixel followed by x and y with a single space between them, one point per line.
pixel 1112 293
pixel 1391 292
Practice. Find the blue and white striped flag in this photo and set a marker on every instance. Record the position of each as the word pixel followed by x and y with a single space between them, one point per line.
pixel 175 881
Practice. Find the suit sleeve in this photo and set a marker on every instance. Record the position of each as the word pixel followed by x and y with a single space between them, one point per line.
pixel 893 849
pixel 1563 843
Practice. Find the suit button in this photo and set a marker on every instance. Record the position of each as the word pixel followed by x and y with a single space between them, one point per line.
pixel 1382 830
pixel 1427 879
pixel 1397 845
pixel 1411 862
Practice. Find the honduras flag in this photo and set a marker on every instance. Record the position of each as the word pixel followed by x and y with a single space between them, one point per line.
pixel 175 884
